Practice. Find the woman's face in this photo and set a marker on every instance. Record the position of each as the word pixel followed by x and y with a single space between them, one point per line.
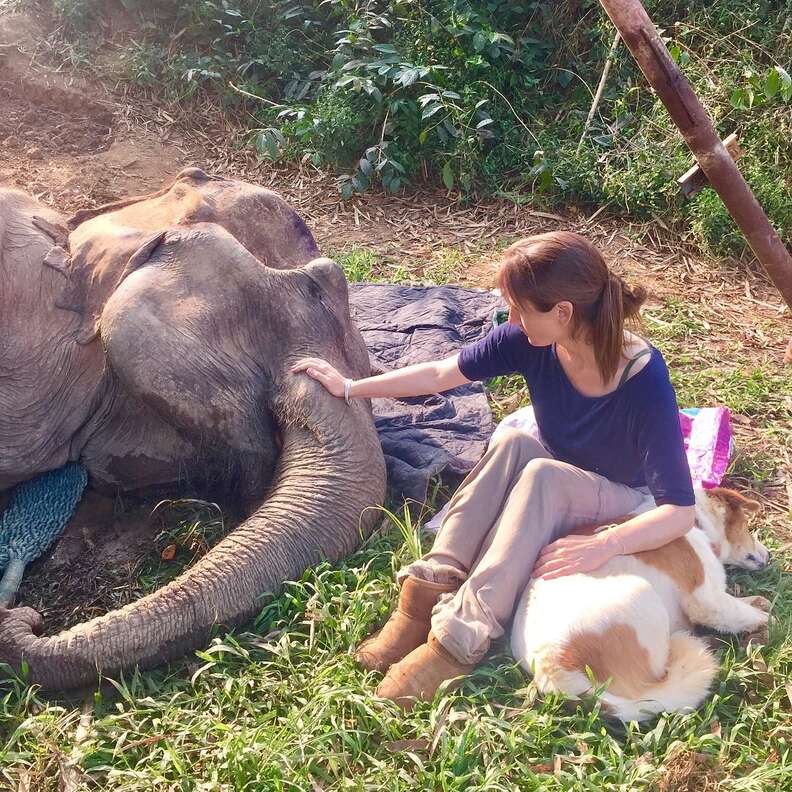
pixel 542 327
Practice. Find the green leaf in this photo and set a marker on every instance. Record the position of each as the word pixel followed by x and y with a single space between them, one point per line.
pixel 353 64
pixel 430 110
pixel 450 128
pixel 448 176
pixel 738 98
pixel 479 42
pixel 373 92
pixel 503 37
pixel 408 77
pixel 772 83
pixel 786 83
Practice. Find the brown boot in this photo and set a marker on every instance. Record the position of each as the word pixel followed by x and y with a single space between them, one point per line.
pixel 418 676
pixel 407 626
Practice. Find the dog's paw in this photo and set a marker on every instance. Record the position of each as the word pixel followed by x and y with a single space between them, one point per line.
pixel 762 603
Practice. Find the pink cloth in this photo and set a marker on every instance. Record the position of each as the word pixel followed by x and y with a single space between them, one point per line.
pixel 708 443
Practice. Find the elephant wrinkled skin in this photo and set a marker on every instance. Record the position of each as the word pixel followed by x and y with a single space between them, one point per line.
pixel 153 343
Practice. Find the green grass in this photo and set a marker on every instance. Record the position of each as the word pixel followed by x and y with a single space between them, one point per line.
pixel 359 264
pixel 280 704
pixel 365 265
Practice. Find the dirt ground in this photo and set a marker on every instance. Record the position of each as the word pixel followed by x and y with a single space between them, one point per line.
pixel 73 143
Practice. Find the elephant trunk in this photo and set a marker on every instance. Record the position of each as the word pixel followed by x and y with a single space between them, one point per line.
pixel 327 478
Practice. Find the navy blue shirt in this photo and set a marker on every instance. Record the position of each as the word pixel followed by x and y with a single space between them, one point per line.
pixel 631 435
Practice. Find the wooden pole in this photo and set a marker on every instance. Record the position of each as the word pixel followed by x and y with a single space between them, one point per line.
pixel 641 37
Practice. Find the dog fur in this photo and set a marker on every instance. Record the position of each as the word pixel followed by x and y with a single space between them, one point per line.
pixel 626 625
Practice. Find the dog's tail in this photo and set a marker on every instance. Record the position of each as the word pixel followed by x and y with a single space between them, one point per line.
pixel 691 669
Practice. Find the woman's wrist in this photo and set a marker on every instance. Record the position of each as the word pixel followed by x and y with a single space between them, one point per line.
pixel 612 540
pixel 348 389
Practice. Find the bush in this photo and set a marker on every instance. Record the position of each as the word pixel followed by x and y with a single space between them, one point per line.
pixel 485 95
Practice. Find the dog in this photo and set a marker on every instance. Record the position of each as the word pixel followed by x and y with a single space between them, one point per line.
pixel 626 625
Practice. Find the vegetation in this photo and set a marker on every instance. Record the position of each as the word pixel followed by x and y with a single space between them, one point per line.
pixel 486 96
pixel 283 707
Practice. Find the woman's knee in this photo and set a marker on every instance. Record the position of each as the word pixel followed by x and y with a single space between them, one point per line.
pixel 543 471
pixel 508 439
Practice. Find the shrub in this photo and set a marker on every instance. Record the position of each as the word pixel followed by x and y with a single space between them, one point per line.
pixel 483 95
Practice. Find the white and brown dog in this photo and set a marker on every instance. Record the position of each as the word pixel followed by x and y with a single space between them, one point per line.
pixel 628 622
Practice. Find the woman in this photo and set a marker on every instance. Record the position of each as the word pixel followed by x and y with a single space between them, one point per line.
pixel 610 436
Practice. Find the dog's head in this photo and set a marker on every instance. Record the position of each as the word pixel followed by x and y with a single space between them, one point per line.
pixel 723 515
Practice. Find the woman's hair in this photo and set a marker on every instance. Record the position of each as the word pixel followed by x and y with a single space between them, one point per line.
pixel 547 269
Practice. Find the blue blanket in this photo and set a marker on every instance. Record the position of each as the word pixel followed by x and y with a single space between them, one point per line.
pixel 422 436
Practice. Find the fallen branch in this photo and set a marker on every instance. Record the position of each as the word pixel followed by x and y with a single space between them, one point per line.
pixel 600 88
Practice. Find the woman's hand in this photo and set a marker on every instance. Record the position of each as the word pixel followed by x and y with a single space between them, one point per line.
pixel 576 553
pixel 322 372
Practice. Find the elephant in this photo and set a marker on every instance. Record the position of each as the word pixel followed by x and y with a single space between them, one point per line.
pixel 152 340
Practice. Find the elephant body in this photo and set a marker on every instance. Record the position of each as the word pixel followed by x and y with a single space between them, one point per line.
pixel 154 343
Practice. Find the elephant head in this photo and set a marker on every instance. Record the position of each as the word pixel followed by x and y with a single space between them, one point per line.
pixel 199 336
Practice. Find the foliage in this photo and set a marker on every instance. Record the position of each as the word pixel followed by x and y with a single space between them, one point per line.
pixel 483 95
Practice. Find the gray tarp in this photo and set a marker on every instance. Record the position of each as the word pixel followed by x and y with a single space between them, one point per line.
pixel 402 325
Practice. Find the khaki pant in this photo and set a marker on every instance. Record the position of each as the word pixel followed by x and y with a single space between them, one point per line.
pixel 514 502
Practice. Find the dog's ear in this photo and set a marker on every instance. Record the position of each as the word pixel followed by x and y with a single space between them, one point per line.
pixel 734 499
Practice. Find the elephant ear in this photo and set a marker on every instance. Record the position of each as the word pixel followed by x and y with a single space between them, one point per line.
pixel 57 233
pixel 75 298
pixel 68 295
pixel 142 254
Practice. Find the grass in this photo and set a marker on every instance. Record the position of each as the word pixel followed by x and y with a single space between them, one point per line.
pixel 362 264
pixel 280 705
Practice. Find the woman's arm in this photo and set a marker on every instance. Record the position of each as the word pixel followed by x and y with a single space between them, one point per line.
pixel 652 529
pixel 417 380
pixel 647 531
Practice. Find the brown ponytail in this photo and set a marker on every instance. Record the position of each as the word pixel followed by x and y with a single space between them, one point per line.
pixel 547 269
